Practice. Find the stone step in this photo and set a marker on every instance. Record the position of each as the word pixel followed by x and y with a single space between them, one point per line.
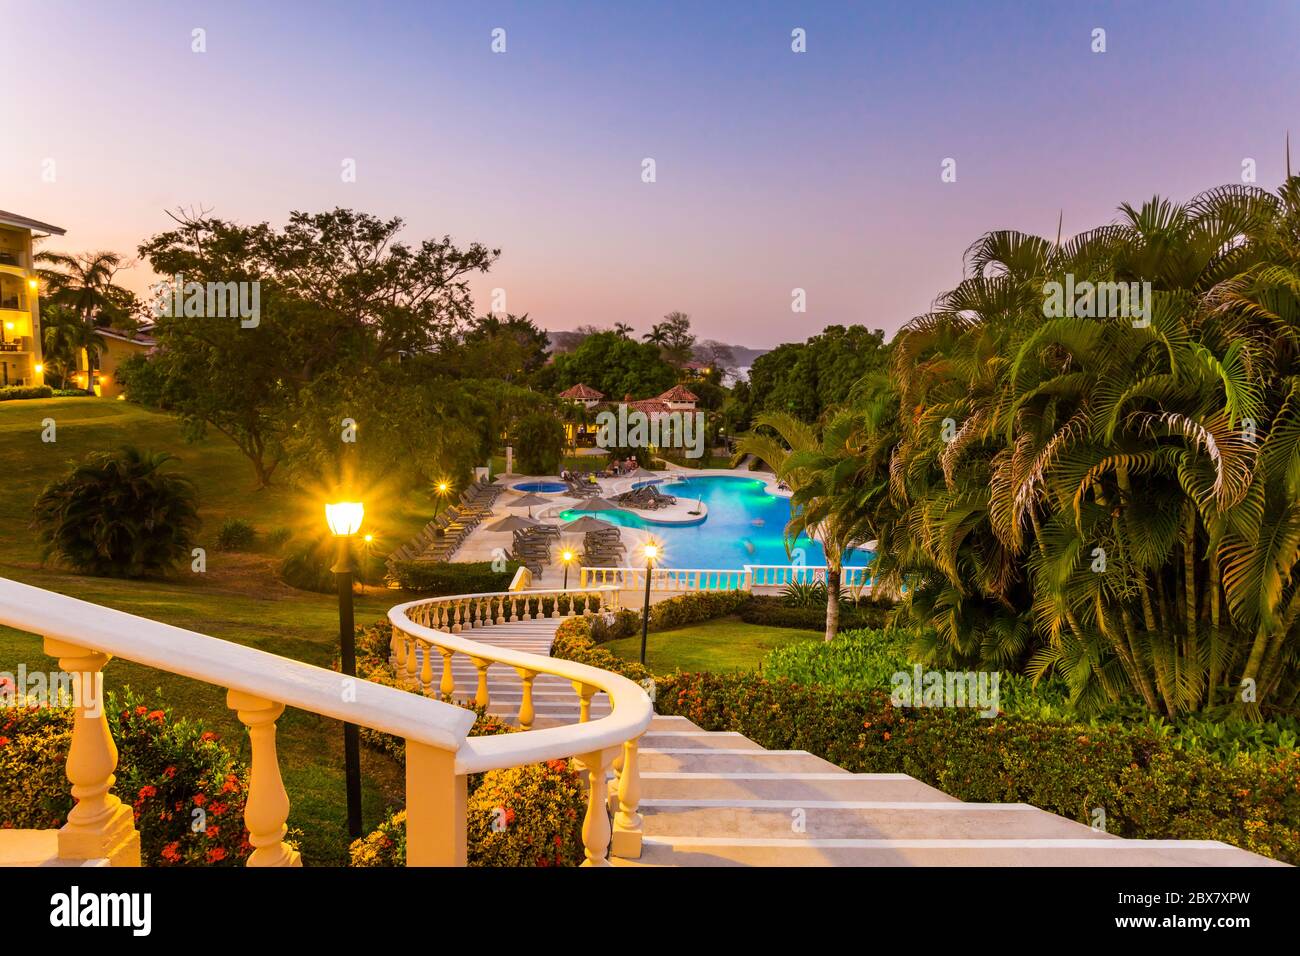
pixel 889 787
pixel 670 722
pixel 695 760
pixel 697 740
pixel 36 848
pixel 831 819
pixel 713 851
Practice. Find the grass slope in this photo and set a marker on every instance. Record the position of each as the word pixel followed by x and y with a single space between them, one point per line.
pixel 237 599
pixel 727 644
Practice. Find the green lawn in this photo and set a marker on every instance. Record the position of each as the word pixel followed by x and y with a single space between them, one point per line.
pixel 727 644
pixel 237 599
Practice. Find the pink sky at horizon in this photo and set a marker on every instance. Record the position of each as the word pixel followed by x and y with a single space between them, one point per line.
pixel 776 170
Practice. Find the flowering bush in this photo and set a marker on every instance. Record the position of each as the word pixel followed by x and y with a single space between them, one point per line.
pixel 522 816
pixel 186 788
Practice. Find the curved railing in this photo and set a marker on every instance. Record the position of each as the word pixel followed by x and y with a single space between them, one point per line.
pixel 84 637
pixel 423 627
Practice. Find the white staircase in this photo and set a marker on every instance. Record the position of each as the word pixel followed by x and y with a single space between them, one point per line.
pixel 719 799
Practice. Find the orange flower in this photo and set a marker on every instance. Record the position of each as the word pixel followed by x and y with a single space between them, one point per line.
pixel 157 716
pixel 216 854
pixel 3 741
pixel 208 735
pixel 200 799
pixel 148 790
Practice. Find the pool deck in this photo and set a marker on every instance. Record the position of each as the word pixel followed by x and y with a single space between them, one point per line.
pixel 483 545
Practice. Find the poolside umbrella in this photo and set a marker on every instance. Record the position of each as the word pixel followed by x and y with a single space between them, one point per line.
pixel 528 501
pixel 588 523
pixel 597 504
pixel 513 523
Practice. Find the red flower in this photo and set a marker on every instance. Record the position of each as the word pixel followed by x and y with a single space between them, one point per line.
pixel 559 841
pixel 3 741
pixel 213 830
pixel 157 716
pixel 141 710
pixel 217 809
pixel 148 790
pixel 171 852
pixel 216 854
pixel 200 799
pixel 170 772
pixel 209 735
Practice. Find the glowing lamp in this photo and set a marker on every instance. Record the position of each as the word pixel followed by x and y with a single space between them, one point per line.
pixel 651 551
pixel 344 517
pixel 33 284
pixel 39 368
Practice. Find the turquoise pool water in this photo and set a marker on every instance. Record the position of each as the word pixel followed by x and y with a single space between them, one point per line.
pixel 745 525
pixel 541 486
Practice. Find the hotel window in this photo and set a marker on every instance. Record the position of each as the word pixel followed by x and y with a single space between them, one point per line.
pixel 12 295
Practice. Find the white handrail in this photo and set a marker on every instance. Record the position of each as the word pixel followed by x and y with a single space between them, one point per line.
pixel 631 710
pixel 233 666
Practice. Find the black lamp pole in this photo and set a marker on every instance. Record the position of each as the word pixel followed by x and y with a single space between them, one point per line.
pixel 343 569
pixel 645 611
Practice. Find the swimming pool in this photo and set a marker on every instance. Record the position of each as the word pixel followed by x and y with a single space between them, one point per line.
pixel 745 525
pixel 544 487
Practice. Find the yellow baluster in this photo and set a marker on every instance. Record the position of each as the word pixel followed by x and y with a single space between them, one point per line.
pixel 626 840
pixel 435 807
pixel 481 697
pixel 100 826
pixel 267 807
pixel 585 693
pixel 426 667
pixel 526 714
pixel 595 825
pixel 448 685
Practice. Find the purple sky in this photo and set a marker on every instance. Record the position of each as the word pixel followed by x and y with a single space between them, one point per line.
pixel 775 170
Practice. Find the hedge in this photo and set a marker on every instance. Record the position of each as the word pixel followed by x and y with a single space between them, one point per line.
pixel 1148 787
pixel 15 392
pixel 451 577
pixel 774 612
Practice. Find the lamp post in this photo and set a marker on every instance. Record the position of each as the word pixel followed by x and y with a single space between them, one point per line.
pixel 443 488
pixel 566 556
pixel 344 520
pixel 651 552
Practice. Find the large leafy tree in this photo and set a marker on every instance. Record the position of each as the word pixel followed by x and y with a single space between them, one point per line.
pixel 616 366
pixel 1113 498
pixel 806 379
pixel 341 296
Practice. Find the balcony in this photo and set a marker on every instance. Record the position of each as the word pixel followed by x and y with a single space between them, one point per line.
pixel 12 257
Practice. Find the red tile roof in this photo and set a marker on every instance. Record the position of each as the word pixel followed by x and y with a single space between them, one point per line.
pixel 678 393
pixel 582 393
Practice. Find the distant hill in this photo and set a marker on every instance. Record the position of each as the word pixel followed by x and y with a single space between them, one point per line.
pixel 567 341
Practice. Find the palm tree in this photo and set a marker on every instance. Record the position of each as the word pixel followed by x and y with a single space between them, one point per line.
pixel 63 337
pixel 808 463
pixel 1111 500
pixel 623 330
pixel 658 335
pixel 83 286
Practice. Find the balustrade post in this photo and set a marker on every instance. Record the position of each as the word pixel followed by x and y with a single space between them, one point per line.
pixel 395 649
pixel 426 667
pixel 267 808
pixel 585 693
pixel 412 676
pixel 99 826
pixel 435 807
pixel 526 714
pixel 481 696
pixel 595 825
pixel 448 685
pixel 455 617
pixel 626 839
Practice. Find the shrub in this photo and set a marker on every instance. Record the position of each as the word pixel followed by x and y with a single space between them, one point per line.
pixel 277 538
pixel 773 612
pixel 10 393
pixel 520 816
pixel 73 393
pixel 1148 787
pixel 306 564
pixel 118 514
pixel 573 643
pixel 855 660
pixel 171 772
pixel 451 577
pixel 539 442
pixel 694 608
pixel 235 535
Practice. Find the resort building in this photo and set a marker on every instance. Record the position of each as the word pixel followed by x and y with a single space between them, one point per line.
pixel 115 347
pixel 677 399
pixel 20 314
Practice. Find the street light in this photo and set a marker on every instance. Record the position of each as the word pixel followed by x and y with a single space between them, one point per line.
pixel 443 487
pixel 344 520
pixel 651 552
pixel 566 556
